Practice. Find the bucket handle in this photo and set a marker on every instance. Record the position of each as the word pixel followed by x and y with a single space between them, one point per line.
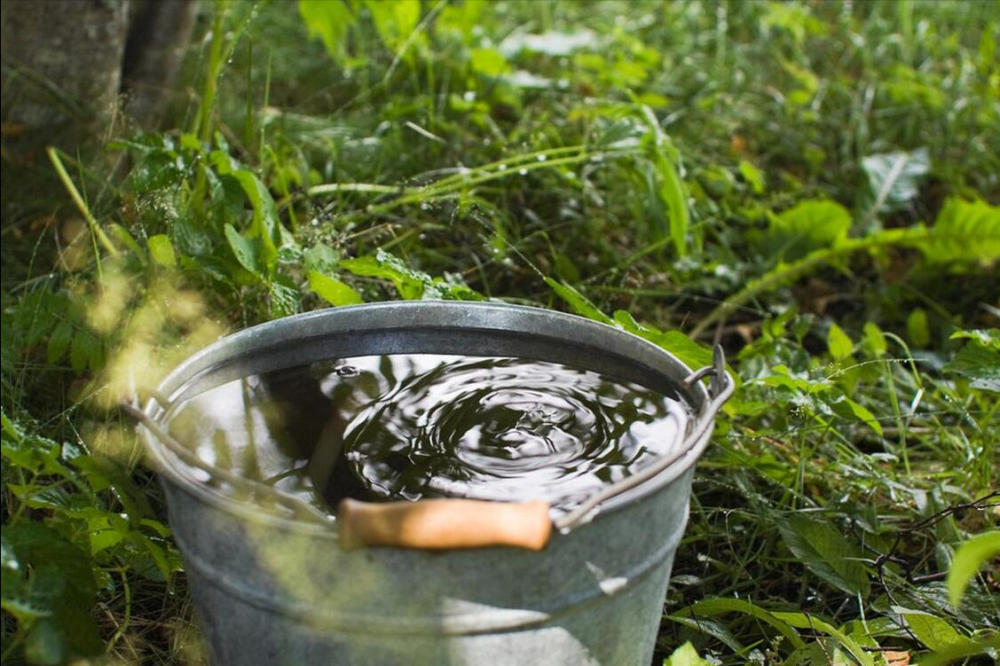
pixel 460 523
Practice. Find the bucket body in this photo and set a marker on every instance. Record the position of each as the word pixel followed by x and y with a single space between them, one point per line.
pixel 274 589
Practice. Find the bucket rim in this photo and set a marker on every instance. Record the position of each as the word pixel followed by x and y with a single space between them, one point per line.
pixel 406 316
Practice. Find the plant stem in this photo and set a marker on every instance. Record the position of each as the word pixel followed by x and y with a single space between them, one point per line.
pixel 211 83
pixel 785 273
pixel 81 205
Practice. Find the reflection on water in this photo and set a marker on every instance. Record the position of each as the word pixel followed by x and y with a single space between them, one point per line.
pixel 427 425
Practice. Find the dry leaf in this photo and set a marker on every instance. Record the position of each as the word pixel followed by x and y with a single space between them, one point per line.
pixel 901 658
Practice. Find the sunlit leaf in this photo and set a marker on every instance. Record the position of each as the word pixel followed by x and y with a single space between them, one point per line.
pixel 689 352
pixel 162 251
pixel 488 62
pixel 838 343
pixel 753 176
pixel 807 226
pixel 873 340
pixel 965 232
pixel 580 304
pixel 329 20
pixel 685 655
pixel 332 290
pixel 934 631
pixel 969 558
pixel 814 623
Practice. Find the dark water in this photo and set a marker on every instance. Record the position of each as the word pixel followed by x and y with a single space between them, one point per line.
pixel 422 425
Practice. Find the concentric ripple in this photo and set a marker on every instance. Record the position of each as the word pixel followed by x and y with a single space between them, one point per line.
pixel 420 425
pixel 505 429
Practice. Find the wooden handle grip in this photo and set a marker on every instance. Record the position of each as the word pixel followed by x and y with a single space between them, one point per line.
pixel 439 524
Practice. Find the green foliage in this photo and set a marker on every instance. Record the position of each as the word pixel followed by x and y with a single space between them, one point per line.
pixel 969 557
pixel 812 185
pixel 92 520
pixel 330 21
pixel 48 586
pixel 411 284
pixel 685 655
pixel 332 290
pixel 934 632
pixel 895 178
pixel 965 232
pixel 808 226
pixel 822 548
pixel 979 359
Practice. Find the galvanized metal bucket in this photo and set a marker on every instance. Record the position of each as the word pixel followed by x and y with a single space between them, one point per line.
pixel 273 586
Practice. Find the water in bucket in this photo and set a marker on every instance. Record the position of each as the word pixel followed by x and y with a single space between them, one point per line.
pixel 409 426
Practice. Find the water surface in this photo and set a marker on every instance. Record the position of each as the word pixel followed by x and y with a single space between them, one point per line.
pixel 427 425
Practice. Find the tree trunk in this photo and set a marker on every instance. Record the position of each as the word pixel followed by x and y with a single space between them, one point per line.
pixel 159 33
pixel 62 60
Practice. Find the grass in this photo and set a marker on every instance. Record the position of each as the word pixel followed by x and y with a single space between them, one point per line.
pixel 812 185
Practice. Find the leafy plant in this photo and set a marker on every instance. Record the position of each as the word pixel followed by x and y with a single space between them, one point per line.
pixel 743 174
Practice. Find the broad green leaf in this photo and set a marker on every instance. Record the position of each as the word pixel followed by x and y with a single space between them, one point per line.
pixel 838 343
pixel 850 409
pixel 894 178
pixel 979 360
pixel 753 176
pixel 987 336
pixel 321 258
pixel 59 341
pixel 38 545
pixel 968 559
pixel 48 582
pixel 162 251
pixel 86 351
pixel 156 171
pixel 579 303
pixel 244 250
pixel 714 628
pixel 687 351
pixel 685 655
pixel 814 623
pixel 965 232
pixel 671 192
pixel 332 290
pixel 988 646
pixel 918 329
pixel 824 550
pixel 933 631
pixel 284 296
pixel 265 228
pixel 464 18
pixel 329 20
pixel 873 340
pixel 394 21
pixel 808 226
pixel 411 284
pixel 69 635
pixel 488 62
pixel 722 606
pixel 674 195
